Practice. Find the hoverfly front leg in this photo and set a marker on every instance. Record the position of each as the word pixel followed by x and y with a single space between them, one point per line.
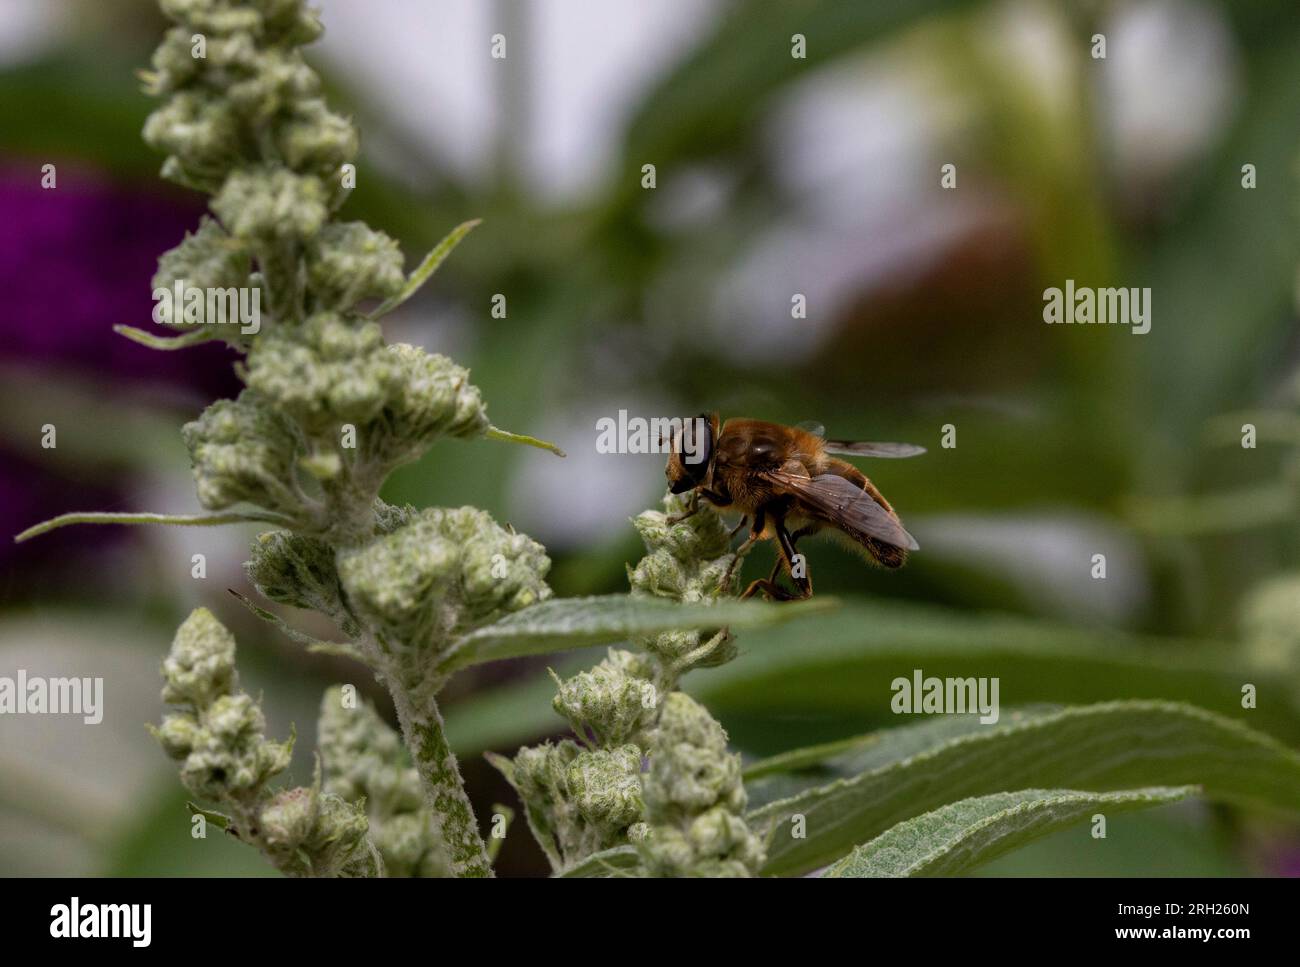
pixel 736 530
pixel 755 535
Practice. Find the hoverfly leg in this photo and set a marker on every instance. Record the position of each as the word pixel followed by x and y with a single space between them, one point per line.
pixel 786 556
pixel 772 590
pixel 736 530
pixel 755 535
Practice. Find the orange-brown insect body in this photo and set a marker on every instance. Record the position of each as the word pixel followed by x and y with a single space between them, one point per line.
pixel 783 479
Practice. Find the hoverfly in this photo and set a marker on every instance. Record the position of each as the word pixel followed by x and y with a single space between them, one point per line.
pixel 784 482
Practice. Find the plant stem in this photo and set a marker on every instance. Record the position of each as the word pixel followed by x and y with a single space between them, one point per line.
pixel 444 789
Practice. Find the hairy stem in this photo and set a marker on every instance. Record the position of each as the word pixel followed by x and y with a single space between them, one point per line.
pixel 422 729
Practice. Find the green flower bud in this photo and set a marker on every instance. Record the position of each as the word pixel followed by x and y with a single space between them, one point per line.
pixel 442 572
pixel 205 259
pixel 314 139
pixel 174 64
pixel 268 203
pixel 245 451
pixel 280 80
pixel 348 262
pixel 197 128
pixel 695 798
pixel 365 759
pixel 690 769
pixel 232 54
pixel 605 787
pixel 578 801
pixel 309 833
pixel 614 701
pixel 178 734
pixel 213 16
pixel 298 570
pixel 324 373
pixel 201 665
pixel 686 561
pixel 434 398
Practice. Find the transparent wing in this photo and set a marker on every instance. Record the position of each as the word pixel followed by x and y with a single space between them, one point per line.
pixel 892 450
pixel 841 502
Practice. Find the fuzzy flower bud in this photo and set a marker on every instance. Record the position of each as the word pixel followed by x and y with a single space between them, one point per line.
pixel 435 398
pixel 350 261
pixel 206 259
pixel 279 80
pixel 365 759
pixel 315 139
pixel 686 561
pixel 298 570
pixel 613 702
pixel 268 203
pixel 578 801
pixel 178 734
pixel 324 373
pixel 310 833
pixel 695 799
pixel 245 451
pixel 288 22
pixel 232 757
pixel 198 130
pixel 218 736
pixel 201 665
pixel 444 571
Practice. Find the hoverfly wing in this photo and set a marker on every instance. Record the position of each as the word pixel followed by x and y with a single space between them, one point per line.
pixel 839 501
pixel 891 450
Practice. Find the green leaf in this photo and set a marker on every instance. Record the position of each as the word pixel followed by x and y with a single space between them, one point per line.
pixel 842 667
pixel 426 268
pixel 505 436
pixel 618 861
pixel 341 649
pixel 1115 745
pixel 175 520
pixel 564 623
pixel 790 773
pixel 192 338
pixel 963 835
pixel 220 820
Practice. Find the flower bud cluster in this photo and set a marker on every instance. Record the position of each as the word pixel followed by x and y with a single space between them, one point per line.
pixel 217 734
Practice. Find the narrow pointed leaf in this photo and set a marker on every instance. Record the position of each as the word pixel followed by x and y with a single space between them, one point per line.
pixel 192 338
pixel 841 668
pixel 505 436
pixel 1114 745
pixel 175 520
pixel 426 268
pixel 564 623
pixel 620 861
pixel 964 835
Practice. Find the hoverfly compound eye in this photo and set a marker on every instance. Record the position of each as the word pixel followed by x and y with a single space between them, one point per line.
pixel 704 434
pixel 697 447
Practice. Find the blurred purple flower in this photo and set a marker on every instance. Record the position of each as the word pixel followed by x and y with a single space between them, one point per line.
pixel 74 261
